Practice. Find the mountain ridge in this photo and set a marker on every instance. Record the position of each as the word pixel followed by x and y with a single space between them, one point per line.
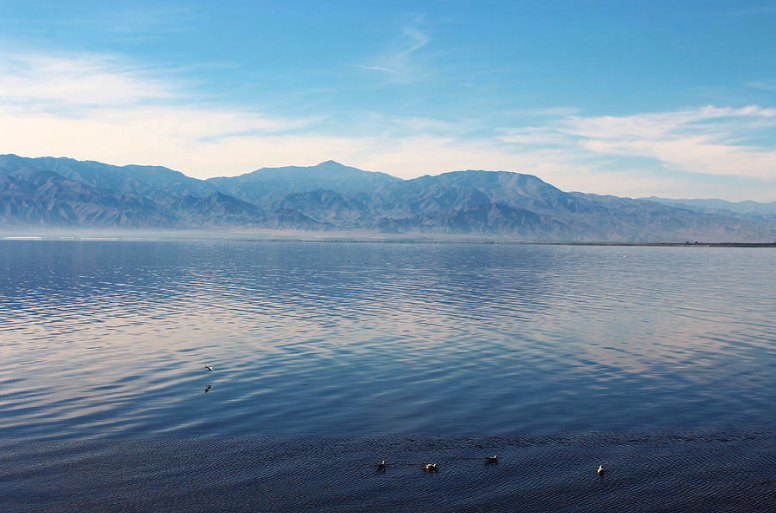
pixel 708 205
pixel 60 192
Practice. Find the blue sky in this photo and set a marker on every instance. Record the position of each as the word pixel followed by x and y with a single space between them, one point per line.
pixel 676 99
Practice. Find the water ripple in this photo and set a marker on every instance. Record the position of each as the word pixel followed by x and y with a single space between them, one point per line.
pixel 110 339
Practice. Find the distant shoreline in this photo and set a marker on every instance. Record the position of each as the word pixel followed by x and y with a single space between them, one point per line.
pixel 355 238
pixel 668 244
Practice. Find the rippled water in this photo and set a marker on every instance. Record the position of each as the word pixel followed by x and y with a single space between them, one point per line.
pixel 376 341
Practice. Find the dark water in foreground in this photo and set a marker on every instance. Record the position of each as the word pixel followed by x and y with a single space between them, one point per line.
pixel 331 356
pixel 677 472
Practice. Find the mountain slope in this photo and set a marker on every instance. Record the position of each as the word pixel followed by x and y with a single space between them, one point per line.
pixel 139 180
pixel 332 196
pixel 752 208
pixel 495 219
pixel 273 183
pixel 32 194
pixel 44 198
pixel 446 203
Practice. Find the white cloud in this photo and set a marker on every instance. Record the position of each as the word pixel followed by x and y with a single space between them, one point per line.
pixel 178 137
pixel 712 141
pixel 77 81
pixel 202 143
pixel 100 107
pixel 535 136
pixel 708 140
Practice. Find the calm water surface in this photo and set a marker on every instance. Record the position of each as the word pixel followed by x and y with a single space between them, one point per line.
pixel 384 342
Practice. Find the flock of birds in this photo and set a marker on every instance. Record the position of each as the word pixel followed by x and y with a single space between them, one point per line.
pixel 427 467
pixel 434 467
pixel 489 460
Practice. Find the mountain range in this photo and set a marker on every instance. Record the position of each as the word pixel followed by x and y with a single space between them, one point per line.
pixel 61 192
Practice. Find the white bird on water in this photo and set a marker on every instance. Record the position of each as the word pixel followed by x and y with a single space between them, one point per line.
pixel 491 459
pixel 209 367
pixel 430 467
pixel 600 471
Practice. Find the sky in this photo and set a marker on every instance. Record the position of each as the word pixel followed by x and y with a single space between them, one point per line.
pixel 668 98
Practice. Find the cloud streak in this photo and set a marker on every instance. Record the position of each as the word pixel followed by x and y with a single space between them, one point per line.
pixel 707 140
pixel 103 107
pixel 398 62
pixel 77 81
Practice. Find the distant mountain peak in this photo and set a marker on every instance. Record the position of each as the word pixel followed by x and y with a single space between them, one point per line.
pixel 273 183
pixel 330 195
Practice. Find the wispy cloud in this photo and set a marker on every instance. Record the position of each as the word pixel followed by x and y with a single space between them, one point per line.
pixel 762 85
pixel 535 136
pixel 707 140
pixel 398 61
pixel 133 25
pixel 107 108
pixel 550 112
pixel 141 21
pixel 77 81
pixel 377 68
pixel 106 89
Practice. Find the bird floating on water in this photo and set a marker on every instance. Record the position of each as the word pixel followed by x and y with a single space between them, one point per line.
pixel 491 459
pixel 430 467
pixel 600 471
pixel 207 388
pixel 209 367
pixel 381 466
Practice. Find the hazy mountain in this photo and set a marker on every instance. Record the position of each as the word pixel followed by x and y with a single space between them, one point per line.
pixel 484 219
pixel 273 183
pixel 714 205
pixel 458 202
pixel 215 210
pixel 475 187
pixel 99 195
pixel 65 192
pixel 646 221
pixel 463 189
pixel 140 180
pixel 329 207
pixel 221 210
pixel 44 198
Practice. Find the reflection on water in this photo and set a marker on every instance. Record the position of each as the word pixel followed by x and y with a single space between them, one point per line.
pixel 110 339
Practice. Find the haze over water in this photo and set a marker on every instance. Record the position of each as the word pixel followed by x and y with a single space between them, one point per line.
pixel 384 341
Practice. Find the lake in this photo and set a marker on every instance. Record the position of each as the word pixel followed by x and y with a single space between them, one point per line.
pixel 658 362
